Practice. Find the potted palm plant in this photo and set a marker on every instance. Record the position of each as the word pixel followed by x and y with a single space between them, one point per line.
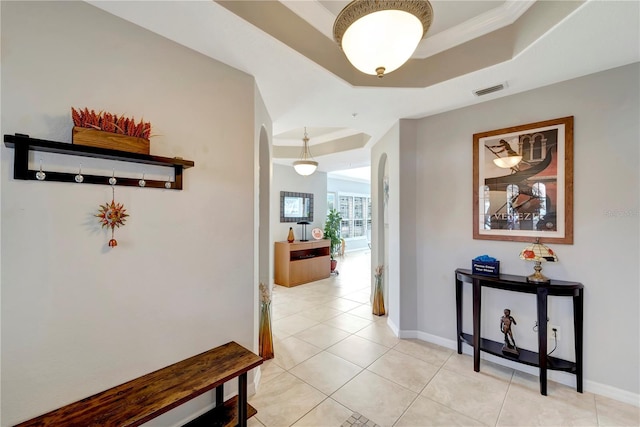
pixel 332 232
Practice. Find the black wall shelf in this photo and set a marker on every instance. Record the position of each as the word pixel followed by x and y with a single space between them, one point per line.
pixel 23 144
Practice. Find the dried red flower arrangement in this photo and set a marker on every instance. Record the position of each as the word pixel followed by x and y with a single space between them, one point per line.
pixel 110 123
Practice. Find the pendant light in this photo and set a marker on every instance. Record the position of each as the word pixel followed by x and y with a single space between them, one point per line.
pixel 379 36
pixel 306 165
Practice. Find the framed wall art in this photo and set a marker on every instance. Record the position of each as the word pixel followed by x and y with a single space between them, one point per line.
pixel 523 182
pixel 296 207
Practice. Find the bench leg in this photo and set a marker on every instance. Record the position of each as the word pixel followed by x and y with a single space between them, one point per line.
pixel 219 395
pixel 242 400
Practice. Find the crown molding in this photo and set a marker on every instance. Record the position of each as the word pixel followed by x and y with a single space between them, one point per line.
pixel 314 13
pixel 478 26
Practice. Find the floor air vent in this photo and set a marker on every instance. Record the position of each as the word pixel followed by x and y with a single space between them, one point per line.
pixel 489 90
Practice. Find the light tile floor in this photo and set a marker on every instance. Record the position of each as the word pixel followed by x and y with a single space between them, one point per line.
pixel 337 364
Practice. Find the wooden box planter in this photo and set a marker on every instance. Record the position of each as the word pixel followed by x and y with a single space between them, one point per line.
pixel 114 141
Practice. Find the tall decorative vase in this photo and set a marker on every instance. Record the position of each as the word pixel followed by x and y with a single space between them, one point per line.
pixel 265 338
pixel 378 297
pixel 290 237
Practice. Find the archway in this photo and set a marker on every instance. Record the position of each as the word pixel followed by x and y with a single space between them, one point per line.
pixel 264 188
pixel 382 227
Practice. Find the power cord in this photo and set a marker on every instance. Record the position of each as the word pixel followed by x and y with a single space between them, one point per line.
pixel 555 339
pixel 535 326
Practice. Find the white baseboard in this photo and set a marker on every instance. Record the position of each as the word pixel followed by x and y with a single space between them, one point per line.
pixel 557 376
pixel 252 388
pixel 612 392
pixel 434 339
pixel 394 327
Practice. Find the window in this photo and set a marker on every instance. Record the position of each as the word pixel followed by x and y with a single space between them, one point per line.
pixel 331 202
pixel 356 215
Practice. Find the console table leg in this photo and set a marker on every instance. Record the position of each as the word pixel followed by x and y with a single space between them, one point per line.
pixel 542 338
pixel 578 308
pixel 477 294
pixel 459 314
pixel 242 400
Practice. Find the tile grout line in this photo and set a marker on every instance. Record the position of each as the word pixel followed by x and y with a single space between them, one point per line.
pixel 323 350
pixel 320 391
pixel 505 398
pixel 362 369
pixel 370 321
pixel 423 388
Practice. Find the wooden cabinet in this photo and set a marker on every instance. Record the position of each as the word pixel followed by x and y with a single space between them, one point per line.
pixel 301 262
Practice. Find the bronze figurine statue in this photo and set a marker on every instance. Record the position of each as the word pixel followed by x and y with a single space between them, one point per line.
pixel 506 321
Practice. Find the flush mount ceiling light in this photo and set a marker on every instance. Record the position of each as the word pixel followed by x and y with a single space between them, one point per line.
pixel 306 165
pixel 379 36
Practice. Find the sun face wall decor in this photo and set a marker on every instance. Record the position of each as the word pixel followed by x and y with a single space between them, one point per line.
pixel 112 215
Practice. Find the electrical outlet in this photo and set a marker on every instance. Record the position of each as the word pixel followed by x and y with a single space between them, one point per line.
pixel 550 332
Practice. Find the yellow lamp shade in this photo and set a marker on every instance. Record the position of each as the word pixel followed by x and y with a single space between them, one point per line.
pixel 538 253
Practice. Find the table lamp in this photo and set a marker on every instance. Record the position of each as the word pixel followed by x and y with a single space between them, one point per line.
pixel 304 230
pixel 539 253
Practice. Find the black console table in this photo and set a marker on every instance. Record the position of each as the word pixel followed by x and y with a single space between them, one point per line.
pixel 542 290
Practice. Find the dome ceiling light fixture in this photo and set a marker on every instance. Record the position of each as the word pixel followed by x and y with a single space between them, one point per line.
pixel 306 165
pixel 379 36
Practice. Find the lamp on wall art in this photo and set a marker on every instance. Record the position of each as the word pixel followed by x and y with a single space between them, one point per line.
pixel 507 162
pixel 306 165
pixel 379 36
pixel 511 159
pixel 538 253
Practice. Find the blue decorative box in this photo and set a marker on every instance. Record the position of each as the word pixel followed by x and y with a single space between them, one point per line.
pixel 485 266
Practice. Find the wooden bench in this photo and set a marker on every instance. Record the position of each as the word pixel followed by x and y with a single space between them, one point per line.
pixel 142 399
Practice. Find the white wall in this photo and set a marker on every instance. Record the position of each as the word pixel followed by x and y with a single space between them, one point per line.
pixel 285 178
pixel 408 226
pixel 78 317
pixel 387 253
pixel 604 256
pixel 346 186
pixel 338 185
pixel 262 199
